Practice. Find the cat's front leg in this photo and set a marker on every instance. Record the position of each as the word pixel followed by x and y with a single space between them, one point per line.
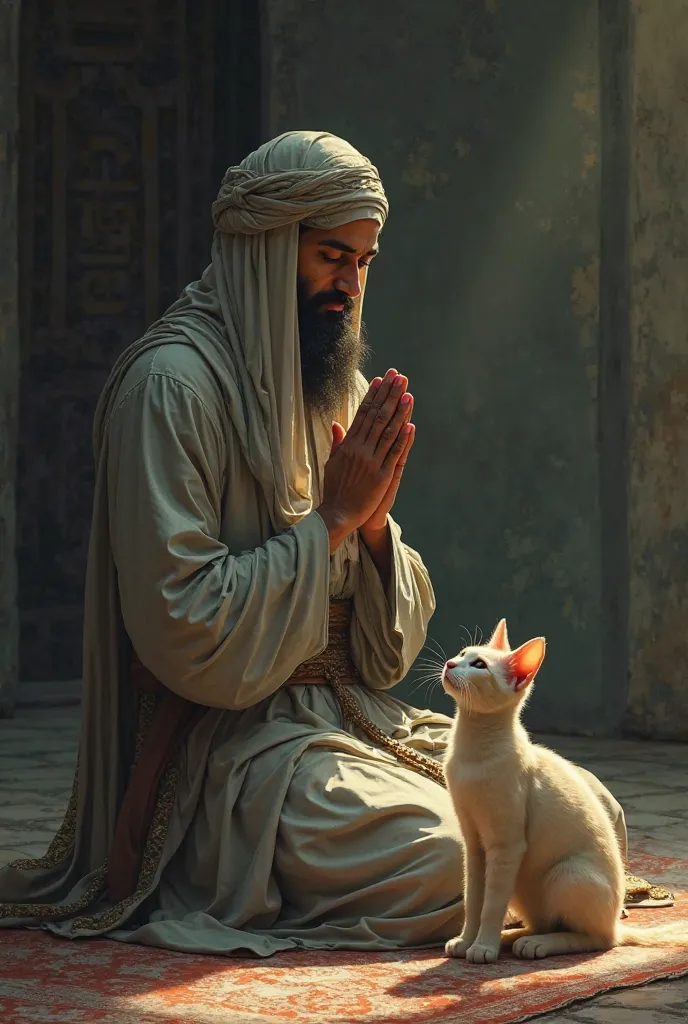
pixel 473 892
pixel 501 870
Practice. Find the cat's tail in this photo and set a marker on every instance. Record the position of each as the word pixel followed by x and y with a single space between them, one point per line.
pixel 661 935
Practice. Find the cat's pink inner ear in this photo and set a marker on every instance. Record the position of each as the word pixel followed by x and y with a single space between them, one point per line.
pixel 500 638
pixel 525 661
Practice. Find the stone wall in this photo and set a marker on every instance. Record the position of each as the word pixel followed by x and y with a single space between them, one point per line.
pixel 532 283
pixel 658 372
pixel 9 351
pixel 484 121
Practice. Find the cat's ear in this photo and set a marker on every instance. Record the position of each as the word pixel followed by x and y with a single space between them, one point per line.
pixel 524 663
pixel 500 638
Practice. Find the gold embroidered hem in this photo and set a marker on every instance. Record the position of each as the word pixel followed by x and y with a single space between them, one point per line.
pixel 109 917
pixel 639 891
pixel 63 844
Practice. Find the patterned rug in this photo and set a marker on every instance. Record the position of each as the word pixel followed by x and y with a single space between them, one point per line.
pixel 43 979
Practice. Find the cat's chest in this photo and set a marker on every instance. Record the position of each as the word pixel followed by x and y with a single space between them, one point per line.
pixel 484 782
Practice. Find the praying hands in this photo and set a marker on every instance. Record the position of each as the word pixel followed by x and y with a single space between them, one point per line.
pixel 366 463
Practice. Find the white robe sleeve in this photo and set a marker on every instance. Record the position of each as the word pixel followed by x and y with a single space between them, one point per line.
pixel 220 628
pixel 390 628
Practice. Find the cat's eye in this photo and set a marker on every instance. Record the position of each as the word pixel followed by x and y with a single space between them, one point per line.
pixel 478 663
pixel 461 653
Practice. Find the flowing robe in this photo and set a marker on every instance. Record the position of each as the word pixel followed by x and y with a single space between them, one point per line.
pixel 289 828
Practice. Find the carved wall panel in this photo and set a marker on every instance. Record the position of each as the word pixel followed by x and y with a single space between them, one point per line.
pixel 117 177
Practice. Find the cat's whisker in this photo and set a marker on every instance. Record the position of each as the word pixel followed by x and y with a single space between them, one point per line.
pixel 430 677
pixel 426 691
pixel 433 658
pixel 468 635
pixel 437 649
pixel 430 665
pixel 431 640
pixel 432 688
pixel 465 690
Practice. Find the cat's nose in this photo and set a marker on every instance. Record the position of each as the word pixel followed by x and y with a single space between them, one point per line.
pixel 451 664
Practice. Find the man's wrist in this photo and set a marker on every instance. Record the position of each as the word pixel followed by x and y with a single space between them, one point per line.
pixel 377 541
pixel 336 523
pixel 374 536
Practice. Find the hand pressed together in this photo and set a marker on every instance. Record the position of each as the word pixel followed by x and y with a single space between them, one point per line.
pixel 365 466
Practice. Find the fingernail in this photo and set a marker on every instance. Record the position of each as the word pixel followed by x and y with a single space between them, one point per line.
pixel 406 399
pixel 390 375
pixel 398 380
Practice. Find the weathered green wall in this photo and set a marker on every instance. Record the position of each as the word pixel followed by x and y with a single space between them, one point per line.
pixel 9 352
pixel 658 434
pixel 484 122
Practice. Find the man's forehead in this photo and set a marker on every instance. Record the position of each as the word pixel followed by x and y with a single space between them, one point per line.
pixel 356 236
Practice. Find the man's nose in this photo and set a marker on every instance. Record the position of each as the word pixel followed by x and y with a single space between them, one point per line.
pixel 349 281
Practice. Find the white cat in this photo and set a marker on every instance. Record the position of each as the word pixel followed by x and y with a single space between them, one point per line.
pixel 535 836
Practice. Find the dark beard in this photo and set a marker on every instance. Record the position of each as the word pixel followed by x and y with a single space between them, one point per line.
pixel 331 350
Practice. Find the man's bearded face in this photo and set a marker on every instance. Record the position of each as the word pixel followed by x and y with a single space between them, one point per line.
pixel 331 349
pixel 331 267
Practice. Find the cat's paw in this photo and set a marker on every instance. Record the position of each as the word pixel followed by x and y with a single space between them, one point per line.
pixel 457 946
pixel 478 954
pixel 531 947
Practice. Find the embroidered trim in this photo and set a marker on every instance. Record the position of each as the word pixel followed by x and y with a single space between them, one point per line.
pixel 62 845
pixel 152 854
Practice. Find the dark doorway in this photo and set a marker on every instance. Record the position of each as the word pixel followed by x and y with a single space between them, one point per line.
pixel 130 111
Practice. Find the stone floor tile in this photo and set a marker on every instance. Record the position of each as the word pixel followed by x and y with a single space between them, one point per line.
pixel 673 995
pixel 26 813
pixel 32 796
pixel 7 856
pixel 645 820
pixel 627 789
pixel 673 803
pixel 34 745
pixel 593 1014
pixel 35 838
pixel 37 825
pixel 13 763
pixel 37 773
pixel 61 758
pixel 679 832
pixel 27 851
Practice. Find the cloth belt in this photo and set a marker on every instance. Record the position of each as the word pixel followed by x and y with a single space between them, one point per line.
pixel 335 661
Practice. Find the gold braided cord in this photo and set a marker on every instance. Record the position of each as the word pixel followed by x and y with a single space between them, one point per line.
pixel 410 757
